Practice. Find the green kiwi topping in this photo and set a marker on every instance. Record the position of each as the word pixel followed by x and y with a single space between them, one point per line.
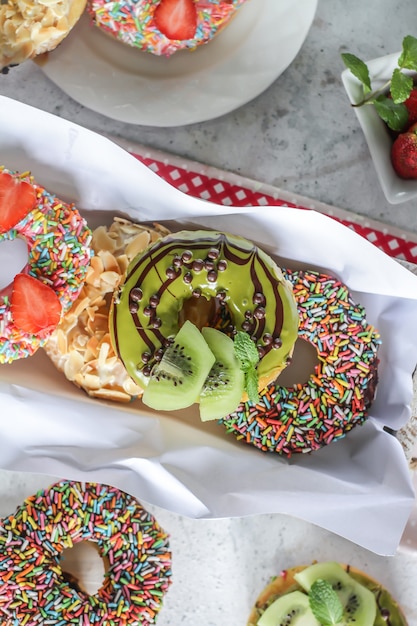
pixel 332 595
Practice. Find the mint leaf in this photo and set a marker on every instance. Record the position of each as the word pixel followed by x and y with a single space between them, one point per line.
pixel 251 385
pixel 408 58
pixel 248 357
pixel 325 603
pixel 394 115
pixel 245 350
pixel 358 69
pixel 401 86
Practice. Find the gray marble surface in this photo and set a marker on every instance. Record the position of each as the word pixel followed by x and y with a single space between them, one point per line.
pixel 220 566
pixel 300 134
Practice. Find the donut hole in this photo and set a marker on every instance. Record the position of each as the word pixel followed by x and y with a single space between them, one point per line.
pixel 302 366
pixel 83 567
pixel 13 260
pixel 202 312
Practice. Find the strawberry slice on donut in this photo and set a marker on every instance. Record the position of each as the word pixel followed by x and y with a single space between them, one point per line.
pixel 17 199
pixel 176 19
pixel 35 307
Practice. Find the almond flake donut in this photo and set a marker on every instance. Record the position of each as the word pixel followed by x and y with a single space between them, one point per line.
pixel 33 588
pixel 80 346
pixel 305 417
pixel 162 27
pixel 33 27
pixel 58 241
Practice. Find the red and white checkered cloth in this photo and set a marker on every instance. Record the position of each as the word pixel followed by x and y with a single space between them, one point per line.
pixel 229 189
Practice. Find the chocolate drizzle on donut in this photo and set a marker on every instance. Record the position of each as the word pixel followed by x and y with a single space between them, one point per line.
pixel 210 265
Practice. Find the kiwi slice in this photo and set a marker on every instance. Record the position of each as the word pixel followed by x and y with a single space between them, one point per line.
pixel 223 387
pixel 292 609
pixel 359 604
pixel 176 381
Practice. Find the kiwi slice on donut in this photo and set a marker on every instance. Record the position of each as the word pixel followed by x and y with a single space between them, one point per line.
pixel 334 594
pixel 223 388
pixel 358 602
pixel 177 379
pixel 293 608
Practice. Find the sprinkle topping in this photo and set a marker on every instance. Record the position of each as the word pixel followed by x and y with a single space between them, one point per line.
pixel 133 23
pixel 32 586
pixel 58 240
pixel 305 417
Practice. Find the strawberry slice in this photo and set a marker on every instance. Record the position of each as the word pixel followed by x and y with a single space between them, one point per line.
pixel 176 19
pixel 35 307
pixel 17 199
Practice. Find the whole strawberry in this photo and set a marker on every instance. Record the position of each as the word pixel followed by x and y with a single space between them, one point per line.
pixel 404 153
pixel 411 104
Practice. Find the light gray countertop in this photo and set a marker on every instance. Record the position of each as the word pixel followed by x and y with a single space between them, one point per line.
pixel 300 135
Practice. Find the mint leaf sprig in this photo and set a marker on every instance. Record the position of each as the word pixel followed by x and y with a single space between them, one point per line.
pixel 391 110
pixel 248 357
pixel 325 603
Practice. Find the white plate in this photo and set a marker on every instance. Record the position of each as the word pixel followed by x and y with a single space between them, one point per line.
pixel 137 87
pixel 396 189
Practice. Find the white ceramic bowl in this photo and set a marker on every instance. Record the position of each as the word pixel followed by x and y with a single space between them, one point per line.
pixel 396 189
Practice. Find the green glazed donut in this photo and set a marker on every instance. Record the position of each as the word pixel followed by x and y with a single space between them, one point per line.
pixel 240 278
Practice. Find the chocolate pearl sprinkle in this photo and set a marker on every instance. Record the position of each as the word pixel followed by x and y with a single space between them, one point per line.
pixel 145 357
pixel 277 343
pixel 212 276
pixel 133 307
pixel 158 354
pixel 209 265
pixel 154 300
pixel 171 272
pixel 136 294
pixel 148 311
pixel 221 295
pixel 177 261
pixel 186 256
pixel 246 326
pixel 198 265
pixel 156 323
pixel 197 293
pixel 259 313
pixel 147 371
pixel 258 298
pixel 267 338
pixel 222 265
pixel 261 351
pixel 248 315
pixel 213 253
pixel 188 278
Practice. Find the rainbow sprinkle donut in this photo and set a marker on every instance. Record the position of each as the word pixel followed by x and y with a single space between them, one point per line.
pixel 144 24
pixel 306 417
pixel 58 241
pixel 33 589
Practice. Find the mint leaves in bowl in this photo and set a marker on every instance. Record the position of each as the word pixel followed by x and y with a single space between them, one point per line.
pixel 381 92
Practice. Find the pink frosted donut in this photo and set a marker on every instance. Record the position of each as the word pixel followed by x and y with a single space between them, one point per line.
pixel 162 27
pixel 58 243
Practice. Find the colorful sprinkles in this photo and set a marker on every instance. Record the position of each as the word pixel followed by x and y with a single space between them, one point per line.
pixel 33 589
pixel 58 240
pixel 337 396
pixel 133 23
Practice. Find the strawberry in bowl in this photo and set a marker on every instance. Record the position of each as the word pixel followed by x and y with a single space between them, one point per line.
pixel 383 94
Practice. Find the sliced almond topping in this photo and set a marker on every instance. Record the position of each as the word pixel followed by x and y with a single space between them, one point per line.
pixel 81 345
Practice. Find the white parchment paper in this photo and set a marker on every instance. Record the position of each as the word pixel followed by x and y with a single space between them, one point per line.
pixel 359 487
